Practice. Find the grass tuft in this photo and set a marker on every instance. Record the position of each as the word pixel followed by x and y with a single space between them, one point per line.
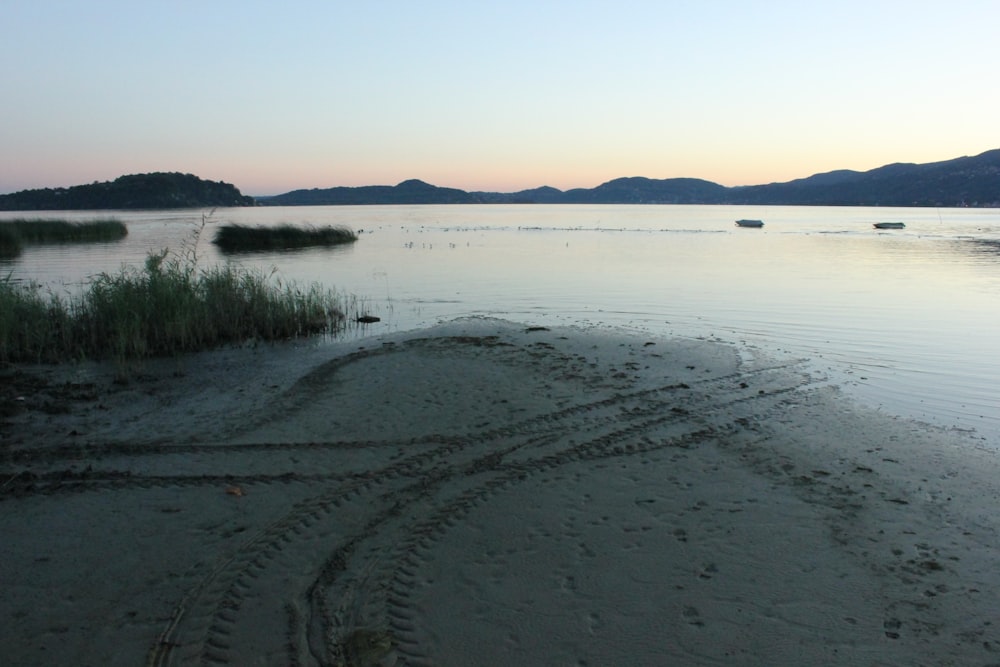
pixel 32 326
pixel 16 233
pixel 241 238
pixel 63 231
pixel 10 243
pixel 167 307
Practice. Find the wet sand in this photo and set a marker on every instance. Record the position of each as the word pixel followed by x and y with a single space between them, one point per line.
pixel 487 493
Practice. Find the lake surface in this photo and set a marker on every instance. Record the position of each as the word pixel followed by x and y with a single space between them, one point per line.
pixel 906 320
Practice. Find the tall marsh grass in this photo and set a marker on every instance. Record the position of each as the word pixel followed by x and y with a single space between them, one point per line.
pixel 167 307
pixel 241 238
pixel 33 326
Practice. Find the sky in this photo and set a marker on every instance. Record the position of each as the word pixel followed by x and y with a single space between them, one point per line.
pixel 495 96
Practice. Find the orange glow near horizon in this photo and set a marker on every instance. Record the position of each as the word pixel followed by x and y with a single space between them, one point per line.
pixel 276 176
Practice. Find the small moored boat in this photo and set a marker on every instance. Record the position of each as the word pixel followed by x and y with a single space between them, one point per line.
pixel 889 225
pixel 749 223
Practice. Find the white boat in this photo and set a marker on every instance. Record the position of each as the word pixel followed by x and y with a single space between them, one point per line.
pixel 749 223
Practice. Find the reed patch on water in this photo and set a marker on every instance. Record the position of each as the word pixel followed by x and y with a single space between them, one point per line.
pixel 10 243
pixel 168 306
pixel 18 232
pixel 242 238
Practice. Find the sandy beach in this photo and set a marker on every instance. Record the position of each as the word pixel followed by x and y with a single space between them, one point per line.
pixel 487 493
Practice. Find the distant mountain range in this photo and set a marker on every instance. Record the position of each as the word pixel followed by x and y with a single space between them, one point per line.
pixel 965 181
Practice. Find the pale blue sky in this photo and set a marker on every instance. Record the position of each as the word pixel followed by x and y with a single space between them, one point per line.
pixel 489 96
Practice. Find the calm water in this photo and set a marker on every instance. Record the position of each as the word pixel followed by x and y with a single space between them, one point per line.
pixel 906 320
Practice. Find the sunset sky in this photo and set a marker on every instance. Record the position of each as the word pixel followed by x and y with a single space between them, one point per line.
pixel 498 96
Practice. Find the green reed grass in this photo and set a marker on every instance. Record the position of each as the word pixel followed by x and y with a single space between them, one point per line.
pixel 241 238
pixel 33 325
pixel 167 307
pixel 16 233
pixel 10 243
pixel 63 231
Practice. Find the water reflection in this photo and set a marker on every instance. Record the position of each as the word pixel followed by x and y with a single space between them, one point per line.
pixel 984 246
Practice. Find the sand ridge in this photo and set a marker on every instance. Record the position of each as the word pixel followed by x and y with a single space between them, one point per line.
pixel 488 493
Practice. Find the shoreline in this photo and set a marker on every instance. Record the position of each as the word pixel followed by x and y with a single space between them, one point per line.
pixel 488 491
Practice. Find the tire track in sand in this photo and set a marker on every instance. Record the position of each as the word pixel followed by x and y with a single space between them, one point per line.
pixel 344 615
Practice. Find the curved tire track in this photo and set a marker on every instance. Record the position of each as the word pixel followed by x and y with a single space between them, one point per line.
pixel 355 615
pixel 330 576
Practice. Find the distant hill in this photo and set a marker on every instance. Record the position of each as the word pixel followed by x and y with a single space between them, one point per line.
pixel 407 192
pixel 637 190
pixel 965 181
pixel 137 191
